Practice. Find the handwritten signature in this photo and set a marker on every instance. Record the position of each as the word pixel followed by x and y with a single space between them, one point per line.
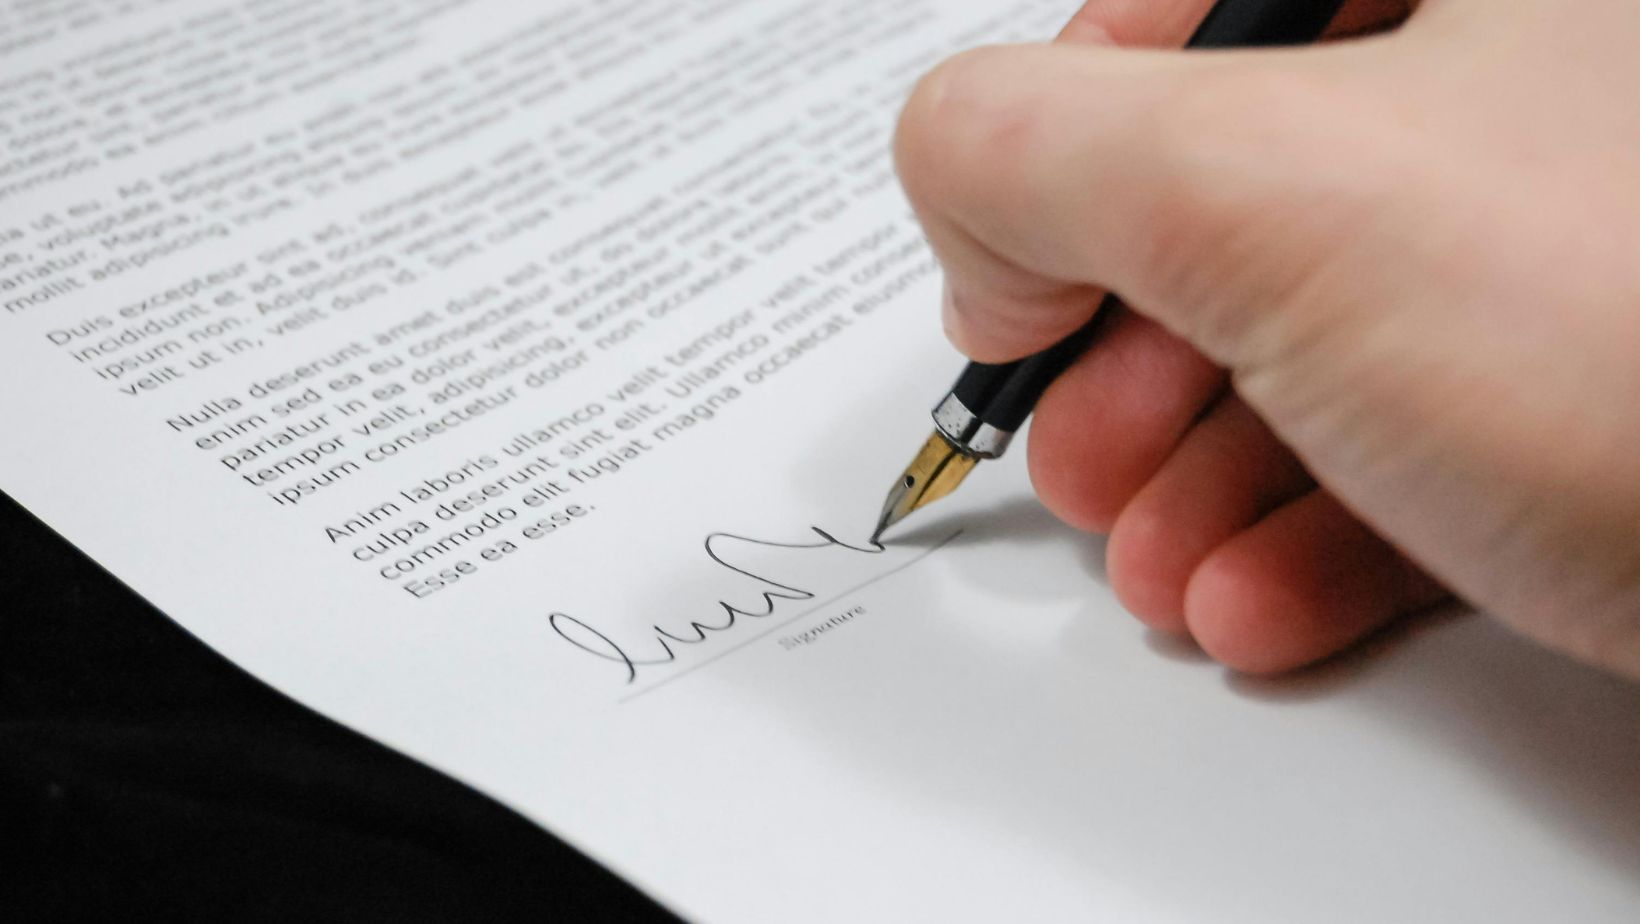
pixel 771 594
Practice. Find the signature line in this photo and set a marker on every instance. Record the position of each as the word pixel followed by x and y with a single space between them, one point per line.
pixel 796 618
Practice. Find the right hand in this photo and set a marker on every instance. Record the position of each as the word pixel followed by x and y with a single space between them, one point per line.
pixel 1385 328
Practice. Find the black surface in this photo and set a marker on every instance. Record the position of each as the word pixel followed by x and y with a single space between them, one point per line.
pixel 143 777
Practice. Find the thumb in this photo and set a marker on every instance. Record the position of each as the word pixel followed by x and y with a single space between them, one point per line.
pixel 1206 189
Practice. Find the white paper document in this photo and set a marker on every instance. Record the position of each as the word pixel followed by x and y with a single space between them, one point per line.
pixel 518 383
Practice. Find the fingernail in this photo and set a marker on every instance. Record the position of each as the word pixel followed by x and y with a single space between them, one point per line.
pixel 1084 30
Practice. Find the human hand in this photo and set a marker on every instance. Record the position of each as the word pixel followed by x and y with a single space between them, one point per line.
pixel 1384 337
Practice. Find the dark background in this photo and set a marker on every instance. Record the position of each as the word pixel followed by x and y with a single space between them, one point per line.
pixel 142 776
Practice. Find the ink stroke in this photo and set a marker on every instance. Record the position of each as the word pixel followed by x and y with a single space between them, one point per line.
pixel 767 595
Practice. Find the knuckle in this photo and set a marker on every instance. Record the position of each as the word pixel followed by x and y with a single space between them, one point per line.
pixel 963 132
pixel 924 123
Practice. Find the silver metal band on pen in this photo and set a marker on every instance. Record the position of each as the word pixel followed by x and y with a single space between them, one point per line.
pixel 967 432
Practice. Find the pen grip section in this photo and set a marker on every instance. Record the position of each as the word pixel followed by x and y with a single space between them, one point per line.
pixel 1267 23
pixel 1004 394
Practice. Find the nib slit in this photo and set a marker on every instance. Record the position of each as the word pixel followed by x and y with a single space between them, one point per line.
pixel 936 471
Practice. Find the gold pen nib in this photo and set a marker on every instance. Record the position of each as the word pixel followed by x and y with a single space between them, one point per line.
pixel 936 472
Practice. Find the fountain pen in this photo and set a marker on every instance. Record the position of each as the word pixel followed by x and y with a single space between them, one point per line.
pixel 979 416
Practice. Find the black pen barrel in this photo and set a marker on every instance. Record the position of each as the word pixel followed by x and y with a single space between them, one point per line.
pixel 1004 394
pixel 1254 23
